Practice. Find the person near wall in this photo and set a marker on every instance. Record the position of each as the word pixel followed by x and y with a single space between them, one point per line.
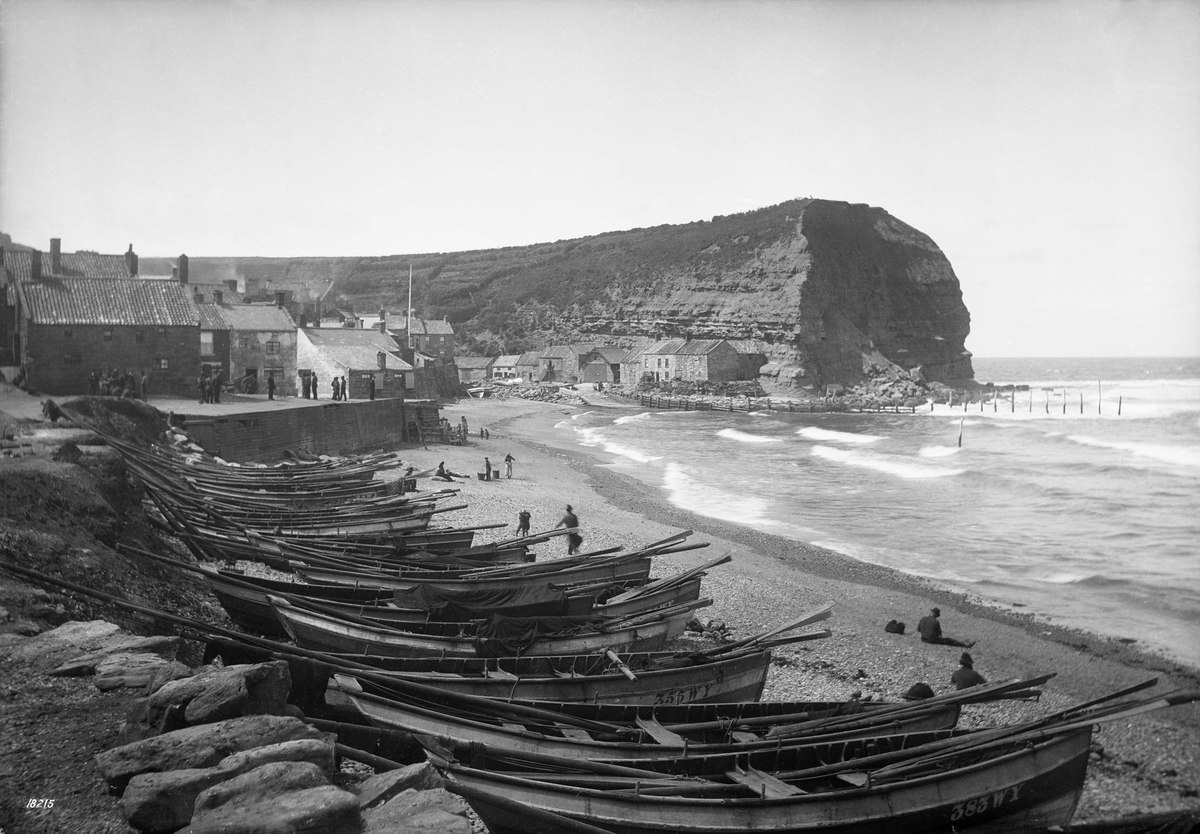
pixel 270 386
pixel 345 390
pixel 216 386
pixel 145 386
pixel 312 381
pixel 202 387
pixel 371 387
pixel 333 388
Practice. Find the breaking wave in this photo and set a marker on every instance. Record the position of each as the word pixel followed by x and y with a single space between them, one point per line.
pixel 900 467
pixel 744 437
pixel 630 418
pixel 830 436
pixel 1182 455
pixel 687 493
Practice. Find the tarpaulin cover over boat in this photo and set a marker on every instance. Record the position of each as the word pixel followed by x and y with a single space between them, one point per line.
pixel 462 605
pixel 500 636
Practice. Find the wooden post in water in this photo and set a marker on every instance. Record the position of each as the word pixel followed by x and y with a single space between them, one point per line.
pixel 951 401
pixel 1119 401
pixel 1064 401
pixel 960 431
pixel 1047 392
pixel 1099 396
pixel 1080 402
pixel 1013 400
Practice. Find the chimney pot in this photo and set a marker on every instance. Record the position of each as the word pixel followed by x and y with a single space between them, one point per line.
pixel 183 269
pixel 35 265
pixel 56 256
pixel 218 297
pixel 382 357
pixel 131 261
pixel 279 295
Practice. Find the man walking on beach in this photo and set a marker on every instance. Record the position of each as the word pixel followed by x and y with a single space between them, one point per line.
pixel 487 469
pixel 931 631
pixel 966 676
pixel 508 462
pixel 523 523
pixel 571 522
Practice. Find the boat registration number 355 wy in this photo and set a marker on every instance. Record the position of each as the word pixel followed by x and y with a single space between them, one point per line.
pixel 987 802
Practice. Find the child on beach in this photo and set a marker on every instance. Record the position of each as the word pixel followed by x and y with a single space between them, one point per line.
pixel 523 523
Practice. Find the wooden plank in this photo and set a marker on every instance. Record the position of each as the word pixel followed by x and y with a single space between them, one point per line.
pixel 763 784
pixel 574 732
pixel 660 733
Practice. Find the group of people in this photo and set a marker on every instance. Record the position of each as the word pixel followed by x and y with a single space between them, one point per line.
pixel 569 520
pixel 930 629
pixel 208 386
pixel 112 383
pixel 509 460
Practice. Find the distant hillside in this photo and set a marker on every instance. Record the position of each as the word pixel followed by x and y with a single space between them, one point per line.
pixel 832 291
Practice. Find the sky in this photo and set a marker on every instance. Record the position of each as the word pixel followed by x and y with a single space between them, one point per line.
pixel 1051 149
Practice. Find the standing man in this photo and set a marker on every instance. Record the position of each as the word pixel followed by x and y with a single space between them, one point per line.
pixel 270 386
pixel 508 462
pixel 345 390
pixel 216 386
pixel 202 387
pixel 931 631
pixel 523 523
pixel 487 469
pixel 312 381
pixel 145 386
pixel 571 522
pixel 371 387
pixel 304 389
pixel 333 386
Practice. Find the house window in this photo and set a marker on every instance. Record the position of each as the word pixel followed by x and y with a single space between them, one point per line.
pixel 206 343
pixel 163 364
pixel 108 335
pixel 272 346
pixel 244 344
pixel 139 336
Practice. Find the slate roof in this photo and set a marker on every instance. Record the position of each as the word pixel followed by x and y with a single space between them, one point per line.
pixel 73 265
pixel 680 347
pixel 257 317
pixel 356 349
pixel 483 362
pixel 426 327
pixel 530 358
pixel 634 355
pixel 611 355
pixel 115 301
pixel 211 319
pixel 508 360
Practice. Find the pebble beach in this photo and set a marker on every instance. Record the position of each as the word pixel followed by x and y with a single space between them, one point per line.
pixel 1146 765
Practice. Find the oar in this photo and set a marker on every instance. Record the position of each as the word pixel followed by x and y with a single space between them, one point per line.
pixel 670 581
pixel 815 615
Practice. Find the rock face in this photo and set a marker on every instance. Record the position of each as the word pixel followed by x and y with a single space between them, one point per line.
pixel 831 291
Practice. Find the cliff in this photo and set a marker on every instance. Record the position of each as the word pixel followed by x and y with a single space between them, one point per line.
pixel 831 291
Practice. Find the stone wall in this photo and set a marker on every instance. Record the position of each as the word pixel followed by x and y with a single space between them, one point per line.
pixel 329 428
pixel 63 356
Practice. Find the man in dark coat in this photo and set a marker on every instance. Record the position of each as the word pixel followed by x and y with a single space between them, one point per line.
pixel 931 631
pixel 371 387
pixel 270 386
pixel 312 380
pixel 966 676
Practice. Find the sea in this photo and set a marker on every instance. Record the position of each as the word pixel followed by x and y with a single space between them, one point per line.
pixel 1076 499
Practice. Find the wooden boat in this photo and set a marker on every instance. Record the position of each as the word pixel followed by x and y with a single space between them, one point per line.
pixel 313 630
pixel 1014 788
pixel 1023 777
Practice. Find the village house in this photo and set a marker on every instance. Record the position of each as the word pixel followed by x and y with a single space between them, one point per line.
pixel 359 356
pixel 72 314
pixel 631 366
pixel 473 369
pixel 214 341
pixel 561 363
pixel 602 365
pixel 692 360
pixel 505 367
pixel 529 365
pixel 339 318
pixel 262 344
pixel 432 337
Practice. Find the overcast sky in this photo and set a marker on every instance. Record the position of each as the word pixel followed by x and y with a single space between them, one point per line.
pixel 1052 149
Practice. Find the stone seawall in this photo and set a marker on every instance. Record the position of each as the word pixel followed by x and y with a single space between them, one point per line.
pixel 332 428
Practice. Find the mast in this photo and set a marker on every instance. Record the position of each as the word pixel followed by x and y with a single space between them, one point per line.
pixel 408 324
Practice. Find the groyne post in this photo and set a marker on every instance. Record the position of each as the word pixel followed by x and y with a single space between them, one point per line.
pixel 1099 396
pixel 1013 410
pixel 1119 401
pixel 1064 401
pixel 1080 402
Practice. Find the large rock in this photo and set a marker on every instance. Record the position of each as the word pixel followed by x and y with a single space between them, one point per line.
pixel 68 640
pixel 401 813
pixel 129 670
pixel 383 786
pixel 201 746
pixel 224 692
pixel 165 801
pixel 279 798
pixel 164 648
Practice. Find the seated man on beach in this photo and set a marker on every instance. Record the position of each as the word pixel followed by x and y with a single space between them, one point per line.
pixel 931 631
pixel 966 676
pixel 442 473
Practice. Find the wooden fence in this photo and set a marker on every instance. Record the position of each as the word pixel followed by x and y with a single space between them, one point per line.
pixel 748 404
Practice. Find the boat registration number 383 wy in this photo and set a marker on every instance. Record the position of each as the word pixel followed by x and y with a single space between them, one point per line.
pixel 987 802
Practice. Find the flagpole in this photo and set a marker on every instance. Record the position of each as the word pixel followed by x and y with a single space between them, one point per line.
pixel 408 323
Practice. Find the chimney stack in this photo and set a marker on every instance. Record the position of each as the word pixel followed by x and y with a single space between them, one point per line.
pixel 218 297
pixel 56 256
pixel 279 296
pixel 35 265
pixel 382 357
pixel 232 284
pixel 183 269
pixel 131 261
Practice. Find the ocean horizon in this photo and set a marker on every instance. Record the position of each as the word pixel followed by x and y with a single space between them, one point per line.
pixel 1054 504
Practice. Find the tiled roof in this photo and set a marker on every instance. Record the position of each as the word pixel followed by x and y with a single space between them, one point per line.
pixel 73 265
pixel 530 357
pixel 633 355
pixel 474 361
pixel 257 317
pixel 508 359
pixel 611 355
pixel 117 301
pixel 426 327
pixel 210 317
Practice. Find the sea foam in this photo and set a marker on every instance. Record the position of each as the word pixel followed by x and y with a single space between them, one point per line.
pixel 630 418
pixel 1180 455
pixel 744 437
pixel 687 493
